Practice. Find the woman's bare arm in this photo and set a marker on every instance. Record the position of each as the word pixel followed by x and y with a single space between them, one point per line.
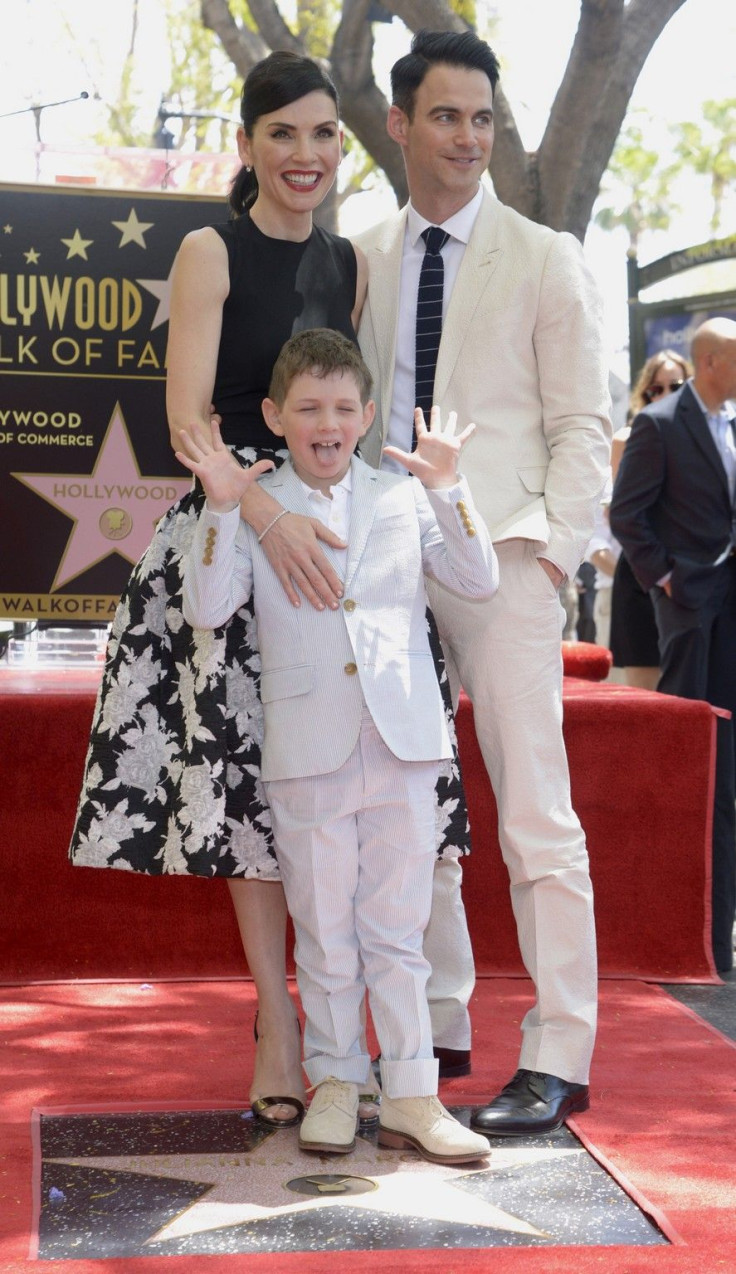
pixel 199 289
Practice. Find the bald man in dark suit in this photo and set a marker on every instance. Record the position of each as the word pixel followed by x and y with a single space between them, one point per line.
pixel 674 512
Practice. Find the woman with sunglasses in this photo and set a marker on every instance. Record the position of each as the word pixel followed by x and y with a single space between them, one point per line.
pixel 634 643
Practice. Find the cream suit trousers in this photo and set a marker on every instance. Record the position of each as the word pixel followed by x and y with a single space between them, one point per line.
pixel 506 653
pixel 356 850
pixel 449 952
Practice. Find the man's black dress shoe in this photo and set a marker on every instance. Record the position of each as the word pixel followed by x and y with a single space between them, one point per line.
pixel 530 1104
pixel 454 1062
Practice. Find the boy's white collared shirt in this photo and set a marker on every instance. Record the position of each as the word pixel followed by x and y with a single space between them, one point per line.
pixel 333 510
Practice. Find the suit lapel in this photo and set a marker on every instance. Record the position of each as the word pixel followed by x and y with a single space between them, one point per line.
pixel 284 485
pixel 697 426
pixel 365 490
pixel 383 289
pixel 478 265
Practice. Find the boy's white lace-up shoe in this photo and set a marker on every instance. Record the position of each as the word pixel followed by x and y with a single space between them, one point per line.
pixel 329 1124
pixel 423 1122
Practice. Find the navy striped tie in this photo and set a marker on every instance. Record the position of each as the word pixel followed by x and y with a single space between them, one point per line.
pixel 429 315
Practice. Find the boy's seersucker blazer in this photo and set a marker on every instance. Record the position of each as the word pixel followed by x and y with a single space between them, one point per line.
pixel 320 667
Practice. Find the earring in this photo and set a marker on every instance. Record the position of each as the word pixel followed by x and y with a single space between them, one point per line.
pixel 247 168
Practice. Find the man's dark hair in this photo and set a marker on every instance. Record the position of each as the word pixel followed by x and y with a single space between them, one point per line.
pixel 432 48
pixel 322 353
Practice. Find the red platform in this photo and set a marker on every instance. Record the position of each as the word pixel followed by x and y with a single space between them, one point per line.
pixel 641 768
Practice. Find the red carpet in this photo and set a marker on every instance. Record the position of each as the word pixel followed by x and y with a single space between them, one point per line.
pixel 648 839
pixel 662 1116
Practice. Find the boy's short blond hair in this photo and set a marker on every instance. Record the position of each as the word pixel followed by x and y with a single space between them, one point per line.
pixel 320 352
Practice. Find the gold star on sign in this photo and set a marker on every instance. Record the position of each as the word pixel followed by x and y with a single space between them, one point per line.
pixel 132 230
pixel 7 229
pixel 32 256
pixel 77 246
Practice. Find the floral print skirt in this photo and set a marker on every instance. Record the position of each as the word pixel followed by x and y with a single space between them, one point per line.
pixel 172 778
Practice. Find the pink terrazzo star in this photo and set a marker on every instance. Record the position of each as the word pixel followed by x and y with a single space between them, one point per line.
pixel 114 509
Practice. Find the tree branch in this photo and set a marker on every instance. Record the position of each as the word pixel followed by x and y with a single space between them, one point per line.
pixel 243 47
pixel 512 168
pixel 611 45
pixel 272 27
pixel 363 105
pixel 426 15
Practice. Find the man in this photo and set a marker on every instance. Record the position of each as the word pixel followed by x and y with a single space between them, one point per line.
pixel 674 512
pixel 519 354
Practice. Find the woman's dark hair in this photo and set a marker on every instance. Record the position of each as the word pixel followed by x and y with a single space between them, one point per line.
pixel 279 80
pixel 433 48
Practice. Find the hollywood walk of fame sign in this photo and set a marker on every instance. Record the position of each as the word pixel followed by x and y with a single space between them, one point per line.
pixel 86 467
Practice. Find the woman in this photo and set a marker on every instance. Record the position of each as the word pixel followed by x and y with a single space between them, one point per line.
pixel 634 642
pixel 172 781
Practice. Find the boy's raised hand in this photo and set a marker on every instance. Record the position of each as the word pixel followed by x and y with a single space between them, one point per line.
pixel 434 460
pixel 225 482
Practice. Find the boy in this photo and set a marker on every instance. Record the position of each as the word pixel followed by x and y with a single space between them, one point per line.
pixel 353 725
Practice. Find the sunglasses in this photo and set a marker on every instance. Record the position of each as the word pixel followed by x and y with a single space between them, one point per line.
pixel 655 391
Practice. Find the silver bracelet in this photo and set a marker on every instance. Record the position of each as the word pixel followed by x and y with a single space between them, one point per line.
pixel 273 522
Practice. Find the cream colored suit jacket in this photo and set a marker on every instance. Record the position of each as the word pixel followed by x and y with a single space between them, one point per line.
pixel 319 668
pixel 521 356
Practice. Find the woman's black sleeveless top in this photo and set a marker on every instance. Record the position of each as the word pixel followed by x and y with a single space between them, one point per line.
pixel 277 288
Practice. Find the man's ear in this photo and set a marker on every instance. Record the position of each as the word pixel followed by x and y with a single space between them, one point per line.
pixel 369 412
pixel 272 417
pixel 397 124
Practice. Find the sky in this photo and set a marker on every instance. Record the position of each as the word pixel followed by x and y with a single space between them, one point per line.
pixel 693 60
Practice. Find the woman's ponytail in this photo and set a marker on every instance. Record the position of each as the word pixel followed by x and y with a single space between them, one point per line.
pixel 243 191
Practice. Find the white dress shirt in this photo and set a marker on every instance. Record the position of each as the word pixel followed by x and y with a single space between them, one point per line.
pixel 333 510
pixel 459 228
pixel 719 423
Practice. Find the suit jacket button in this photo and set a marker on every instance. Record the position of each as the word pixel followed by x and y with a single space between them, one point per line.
pixel 349 605
pixel 351 669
